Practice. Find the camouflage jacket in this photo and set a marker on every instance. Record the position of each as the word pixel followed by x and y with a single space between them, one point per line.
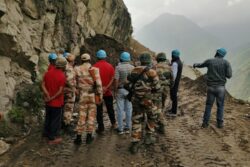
pixel 70 79
pixel 147 85
pixel 88 79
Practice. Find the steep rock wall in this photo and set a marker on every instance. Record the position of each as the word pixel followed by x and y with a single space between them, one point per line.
pixel 30 29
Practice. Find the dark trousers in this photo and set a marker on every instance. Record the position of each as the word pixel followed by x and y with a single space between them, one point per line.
pixel 108 100
pixel 52 123
pixel 174 98
pixel 214 93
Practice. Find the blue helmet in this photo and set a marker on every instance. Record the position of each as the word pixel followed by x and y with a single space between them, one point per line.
pixel 52 56
pixel 222 52
pixel 176 53
pixel 101 54
pixel 66 54
pixel 125 56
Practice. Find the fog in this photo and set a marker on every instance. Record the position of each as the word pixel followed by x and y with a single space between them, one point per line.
pixel 203 12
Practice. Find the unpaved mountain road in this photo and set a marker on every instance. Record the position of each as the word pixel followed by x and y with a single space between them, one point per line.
pixel 185 144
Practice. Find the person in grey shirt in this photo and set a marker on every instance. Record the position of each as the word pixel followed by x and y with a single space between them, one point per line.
pixel 218 71
pixel 123 104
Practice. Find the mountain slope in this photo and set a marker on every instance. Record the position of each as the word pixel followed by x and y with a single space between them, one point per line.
pixel 239 85
pixel 168 32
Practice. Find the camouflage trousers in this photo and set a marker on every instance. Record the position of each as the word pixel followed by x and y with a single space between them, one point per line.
pixel 158 102
pixel 69 104
pixel 87 114
pixel 138 119
pixel 165 96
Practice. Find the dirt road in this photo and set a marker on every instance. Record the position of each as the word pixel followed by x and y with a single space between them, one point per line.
pixel 185 144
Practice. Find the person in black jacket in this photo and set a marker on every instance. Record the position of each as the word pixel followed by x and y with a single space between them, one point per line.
pixel 176 66
pixel 219 70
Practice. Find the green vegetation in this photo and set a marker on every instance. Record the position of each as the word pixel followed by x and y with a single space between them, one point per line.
pixel 28 103
pixel 5 129
pixel 16 114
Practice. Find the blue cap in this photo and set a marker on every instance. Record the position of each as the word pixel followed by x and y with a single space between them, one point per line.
pixel 101 54
pixel 175 53
pixel 52 56
pixel 125 56
pixel 66 54
pixel 222 52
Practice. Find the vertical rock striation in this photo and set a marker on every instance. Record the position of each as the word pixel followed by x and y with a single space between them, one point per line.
pixel 30 29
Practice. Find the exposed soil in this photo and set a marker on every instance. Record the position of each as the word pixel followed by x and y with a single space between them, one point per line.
pixel 185 143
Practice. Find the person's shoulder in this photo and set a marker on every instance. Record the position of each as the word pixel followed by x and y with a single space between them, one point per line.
pixel 152 73
pixel 137 69
pixel 226 61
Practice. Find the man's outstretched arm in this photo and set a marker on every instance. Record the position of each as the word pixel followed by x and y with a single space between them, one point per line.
pixel 201 65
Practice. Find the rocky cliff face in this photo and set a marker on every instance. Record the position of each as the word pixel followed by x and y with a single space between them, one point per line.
pixel 30 29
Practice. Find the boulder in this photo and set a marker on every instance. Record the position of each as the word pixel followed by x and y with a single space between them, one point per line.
pixel 4 147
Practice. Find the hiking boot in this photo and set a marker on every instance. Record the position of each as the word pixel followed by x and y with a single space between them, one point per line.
pixel 89 138
pixel 127 130
pixel 78 140
pixel 57 140
pixel 220 125
pixel 134 147
pixel 161 128
pixel 204 125
pixel 149 139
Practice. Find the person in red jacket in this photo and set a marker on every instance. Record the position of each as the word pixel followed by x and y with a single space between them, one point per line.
pixel 54 82
pixel 107 73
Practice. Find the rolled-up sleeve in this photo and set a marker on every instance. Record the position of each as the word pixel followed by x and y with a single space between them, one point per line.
pixel 174 70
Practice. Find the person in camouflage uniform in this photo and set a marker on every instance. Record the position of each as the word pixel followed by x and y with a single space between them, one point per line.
pixel 164 72
pixel 142 100
pixel 88 84
pixel 69 90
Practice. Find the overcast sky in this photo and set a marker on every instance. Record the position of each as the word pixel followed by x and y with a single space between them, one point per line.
pixel 203 12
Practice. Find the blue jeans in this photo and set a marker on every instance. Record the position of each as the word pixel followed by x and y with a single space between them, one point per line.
pixel 123 105
pixel 218 93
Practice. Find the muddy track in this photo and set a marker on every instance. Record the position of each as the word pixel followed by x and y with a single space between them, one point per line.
pixel 185 144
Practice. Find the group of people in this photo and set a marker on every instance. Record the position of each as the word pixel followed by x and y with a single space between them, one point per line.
pixel 140 93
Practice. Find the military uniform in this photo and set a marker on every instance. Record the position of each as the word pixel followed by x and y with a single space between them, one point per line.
pixel 142 101
pixel 87 103
pixel 69 94
pixel 166 80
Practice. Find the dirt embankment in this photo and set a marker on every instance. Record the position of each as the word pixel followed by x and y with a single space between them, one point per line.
pixel 185 144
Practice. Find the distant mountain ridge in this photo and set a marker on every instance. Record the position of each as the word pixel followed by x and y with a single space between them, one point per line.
pixel 239 85
pixel 169 32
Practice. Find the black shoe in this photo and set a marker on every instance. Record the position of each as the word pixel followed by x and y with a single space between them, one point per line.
pixel 89 138
pixel 220 125
pixel 149 139
pixel 99 131
pixel 120 132
pixel 134 147
pixel 126 130
pixel 161 129
pixel 204 125
pixel 78 140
